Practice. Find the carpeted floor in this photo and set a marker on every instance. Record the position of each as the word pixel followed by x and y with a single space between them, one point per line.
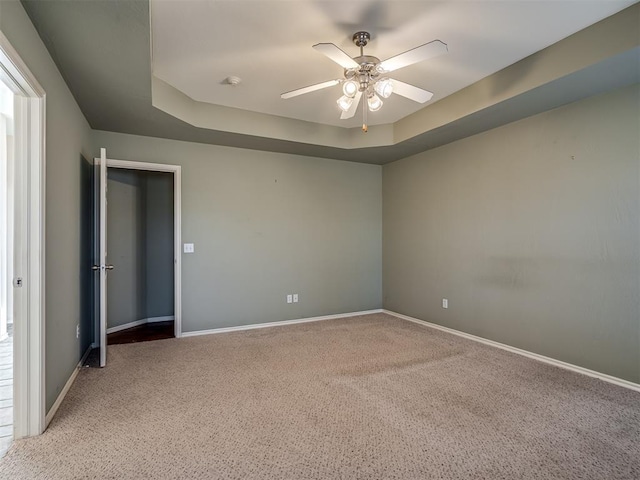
pixel 361 398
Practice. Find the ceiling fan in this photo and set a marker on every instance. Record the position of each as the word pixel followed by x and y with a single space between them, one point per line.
pixel 367 75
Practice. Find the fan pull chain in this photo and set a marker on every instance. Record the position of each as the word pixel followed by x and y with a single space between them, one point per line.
pixel 365 128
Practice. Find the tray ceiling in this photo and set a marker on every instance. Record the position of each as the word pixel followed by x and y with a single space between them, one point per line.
pixel 197 44
pixel 103 51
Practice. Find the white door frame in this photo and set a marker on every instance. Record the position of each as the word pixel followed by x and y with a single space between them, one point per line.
pixel 177 225
pixel 102 257
pixel 29 244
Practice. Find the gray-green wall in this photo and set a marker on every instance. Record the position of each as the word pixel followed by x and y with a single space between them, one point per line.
pixel 67 139
pixel 125 292
pixel 158 231
pixel 531 231
pixel 266 225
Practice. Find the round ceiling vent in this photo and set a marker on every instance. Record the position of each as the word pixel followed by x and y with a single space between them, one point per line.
pixel 233 80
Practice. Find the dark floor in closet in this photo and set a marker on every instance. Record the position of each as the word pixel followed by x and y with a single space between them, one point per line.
pixel 142 333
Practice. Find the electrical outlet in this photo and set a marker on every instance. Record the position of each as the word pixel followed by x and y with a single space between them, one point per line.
pixel 295 298
pixel 289 298
pixel 189 248
pixel 445 303
pixel 77 331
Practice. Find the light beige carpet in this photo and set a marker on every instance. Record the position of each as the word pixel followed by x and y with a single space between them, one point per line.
pixel 365 398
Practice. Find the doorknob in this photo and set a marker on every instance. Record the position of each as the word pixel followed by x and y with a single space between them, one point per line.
pixel 98 267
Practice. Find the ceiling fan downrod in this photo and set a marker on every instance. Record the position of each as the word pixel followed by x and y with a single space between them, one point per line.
pixel 361 39
pixel 364 73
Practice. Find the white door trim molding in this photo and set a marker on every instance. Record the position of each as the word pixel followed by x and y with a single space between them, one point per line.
pixel 177 224
pixel 29 244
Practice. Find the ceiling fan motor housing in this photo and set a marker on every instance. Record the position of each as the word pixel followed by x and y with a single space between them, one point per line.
pixel 366 73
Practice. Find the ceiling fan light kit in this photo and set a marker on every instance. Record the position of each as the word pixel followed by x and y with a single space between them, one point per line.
pixel 374 102
pixel 384 87
pixel 350 88
pixel 366 75
pixel 345 102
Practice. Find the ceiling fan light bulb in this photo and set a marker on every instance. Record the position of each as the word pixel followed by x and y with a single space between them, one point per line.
pixel 374 103
pixel 344 103
pixel 384 87
pixel 350 88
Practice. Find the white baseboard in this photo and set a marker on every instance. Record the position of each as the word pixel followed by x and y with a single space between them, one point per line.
pixel 541 358
pixel 56 405
pixel 277 324
pixel 167 318
pixel 126 325
pixel 139 322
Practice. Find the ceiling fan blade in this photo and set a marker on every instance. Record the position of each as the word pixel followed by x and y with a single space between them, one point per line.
pixel 415 55
pixel 310 88
pixel 353 108
pixel 337 55
pixel 412 93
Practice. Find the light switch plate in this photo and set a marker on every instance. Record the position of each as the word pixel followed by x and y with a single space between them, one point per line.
pixel 445 303
pixel 295 298
pixel 289 298
pixel 189 248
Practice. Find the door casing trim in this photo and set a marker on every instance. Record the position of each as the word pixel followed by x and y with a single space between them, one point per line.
pixel 29 244
pixel 177 224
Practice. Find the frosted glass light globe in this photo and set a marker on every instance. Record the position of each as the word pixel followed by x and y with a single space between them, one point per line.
pixel 350 88
pixel 384 87
pixel 344 103
pixel 374 102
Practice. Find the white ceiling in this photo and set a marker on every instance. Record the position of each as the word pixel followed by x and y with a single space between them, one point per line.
pixel 267 43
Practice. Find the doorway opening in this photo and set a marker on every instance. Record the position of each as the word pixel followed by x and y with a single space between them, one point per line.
pixel 144 248
pixel 22 254
pixel 7 142
pixel 140 246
